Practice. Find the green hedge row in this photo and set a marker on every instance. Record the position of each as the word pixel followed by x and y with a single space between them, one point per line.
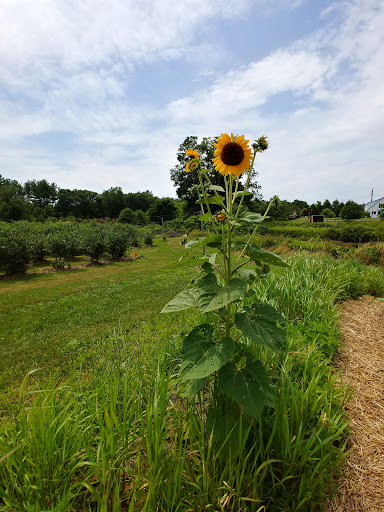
pixel 22 243
pixel 353 232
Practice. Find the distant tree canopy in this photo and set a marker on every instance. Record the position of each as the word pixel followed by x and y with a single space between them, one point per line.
pixel 84 204
pixel 41 193
pixel 38 199
pixel 352 210
pixel 162 210
pixel 13 205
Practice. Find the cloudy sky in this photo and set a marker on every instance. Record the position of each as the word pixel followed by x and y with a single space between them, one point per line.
pixel 96 94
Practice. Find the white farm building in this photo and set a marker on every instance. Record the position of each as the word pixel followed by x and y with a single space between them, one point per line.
pixel 374 207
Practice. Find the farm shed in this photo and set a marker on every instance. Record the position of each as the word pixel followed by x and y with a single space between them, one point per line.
pixel 374 207
pixel 316 218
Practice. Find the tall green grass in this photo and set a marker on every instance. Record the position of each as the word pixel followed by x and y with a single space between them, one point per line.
pixel 120 438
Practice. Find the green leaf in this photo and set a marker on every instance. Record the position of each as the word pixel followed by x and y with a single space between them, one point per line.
pixel 199 295
pixel 253 218
pixel 242 193
pixel 201 356
pixel 183 300
pixel 247 386
pixel 194 242
pixel 237 245
pixel 190 387
pixel 211 200
pixel 235 289
pixel 205 217
pixel 207 267
pixel 211 241
pixel 204 289
pixel 217 188
pixel 260 324
pixel 259 254
pixel 248 274
pixel 209 257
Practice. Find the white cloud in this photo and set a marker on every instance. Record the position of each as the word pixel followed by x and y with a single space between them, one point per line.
pixel 65 66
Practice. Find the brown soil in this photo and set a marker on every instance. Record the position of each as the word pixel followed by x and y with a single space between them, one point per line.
pixel 361 363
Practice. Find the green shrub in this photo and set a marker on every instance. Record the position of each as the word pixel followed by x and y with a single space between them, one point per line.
pixel 62 244
pixel 95 244
pixel 14 252
pixel 356 234
pixel 370 254
pixel 116 242
pixel 126 216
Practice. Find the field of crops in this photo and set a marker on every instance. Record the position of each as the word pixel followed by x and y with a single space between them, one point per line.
pixel 91 414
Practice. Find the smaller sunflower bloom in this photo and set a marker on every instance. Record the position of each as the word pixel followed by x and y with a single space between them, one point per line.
pixel 232 155
pixel 220 217
pixel 192 165
pixel 193 153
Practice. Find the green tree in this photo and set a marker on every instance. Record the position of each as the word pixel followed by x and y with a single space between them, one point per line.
pixel 140 218
pixel 316 208
pixel 113 201
pixel 352 210
pixel 13 205
pixel 336 207
pixel 280 210
pixel 126 216
pixel 328 213
pixel 162 210
pixel 84 204
pixel 139 200
pixel 299 206
pixel 327 204
pixel 41 193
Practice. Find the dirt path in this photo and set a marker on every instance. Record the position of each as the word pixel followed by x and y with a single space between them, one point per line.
pixel 361 362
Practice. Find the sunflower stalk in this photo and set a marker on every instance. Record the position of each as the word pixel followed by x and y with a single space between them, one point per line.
pixel 210 356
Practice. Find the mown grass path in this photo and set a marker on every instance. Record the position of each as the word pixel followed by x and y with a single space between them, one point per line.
pixel 40 314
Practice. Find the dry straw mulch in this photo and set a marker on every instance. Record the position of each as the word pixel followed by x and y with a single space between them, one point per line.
pixel 361 363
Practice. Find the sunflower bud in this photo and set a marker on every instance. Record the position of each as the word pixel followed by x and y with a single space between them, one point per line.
pixel 220 217
pixel 260 144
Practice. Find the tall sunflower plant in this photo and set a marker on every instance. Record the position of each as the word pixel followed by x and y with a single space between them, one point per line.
pixel 220 354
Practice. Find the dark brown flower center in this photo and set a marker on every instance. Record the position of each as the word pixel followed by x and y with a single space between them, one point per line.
pixel 232 154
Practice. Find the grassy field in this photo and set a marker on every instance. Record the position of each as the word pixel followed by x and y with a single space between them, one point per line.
pixel 49 321
pixel 108 431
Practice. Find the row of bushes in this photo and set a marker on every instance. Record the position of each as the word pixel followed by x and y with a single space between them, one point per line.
pixel 371 253
pixel 352 232
pixel 22 243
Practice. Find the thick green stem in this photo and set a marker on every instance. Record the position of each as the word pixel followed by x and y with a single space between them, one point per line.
pixel 228 273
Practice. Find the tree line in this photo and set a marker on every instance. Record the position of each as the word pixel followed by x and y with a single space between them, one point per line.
pixel 40 200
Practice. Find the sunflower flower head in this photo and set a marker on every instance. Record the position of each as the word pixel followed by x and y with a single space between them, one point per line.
pixel 220 217
pixel 232 155
pixel 192 165
pixel 193 153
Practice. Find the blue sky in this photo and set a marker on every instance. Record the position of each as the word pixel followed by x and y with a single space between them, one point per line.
pixel 97 94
